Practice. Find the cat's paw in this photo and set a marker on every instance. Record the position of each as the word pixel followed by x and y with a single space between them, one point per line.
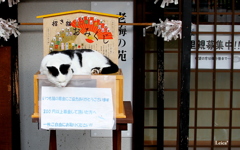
pixel 95 70
pixel 64 84
pixel 58 84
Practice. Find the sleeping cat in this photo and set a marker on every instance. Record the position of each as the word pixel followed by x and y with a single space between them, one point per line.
pixel 60 66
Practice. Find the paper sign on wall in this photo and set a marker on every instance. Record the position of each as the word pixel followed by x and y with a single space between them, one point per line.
pixel 223 44
pixel 125 49
pixel 76 108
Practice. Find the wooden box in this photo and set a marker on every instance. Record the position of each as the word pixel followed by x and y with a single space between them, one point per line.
pixel 117 87
pixel 81 29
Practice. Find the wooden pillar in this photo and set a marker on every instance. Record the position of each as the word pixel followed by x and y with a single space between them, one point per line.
pixel 5 99
pixel 10 57
pixel 185 75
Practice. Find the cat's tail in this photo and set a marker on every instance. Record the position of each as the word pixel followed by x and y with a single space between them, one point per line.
pixel 111 69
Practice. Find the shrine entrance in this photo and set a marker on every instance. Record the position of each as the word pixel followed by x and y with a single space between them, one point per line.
pixel 176 108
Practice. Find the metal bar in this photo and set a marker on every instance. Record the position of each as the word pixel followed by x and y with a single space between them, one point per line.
pixel 202 70
pixel 160 84
pixel 185 75
pixel 223 127
pixel 201 13
pixel 214 75
pixel 216 52
pixel 231 79
pixel 216 33
pixel 160 94
pixel 204 52
pixel 132 24
pixel 136 24
pixel 179 80
pixel 196 77
pixel 30 23
pixel 138 78
pixel 145 24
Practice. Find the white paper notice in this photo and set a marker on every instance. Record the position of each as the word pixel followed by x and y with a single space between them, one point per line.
pixel 76 108
pixel 223 44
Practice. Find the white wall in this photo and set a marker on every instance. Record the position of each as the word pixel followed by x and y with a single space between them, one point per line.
pixel 30 55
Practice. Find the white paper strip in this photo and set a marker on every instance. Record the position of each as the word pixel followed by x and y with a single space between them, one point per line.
pixel 168 29
pixel 7 28
pixel 166 2
pixel 11 2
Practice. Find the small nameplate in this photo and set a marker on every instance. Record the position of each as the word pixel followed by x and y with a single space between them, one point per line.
pixel 221 142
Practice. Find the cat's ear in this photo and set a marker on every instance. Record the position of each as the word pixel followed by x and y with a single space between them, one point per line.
pixel 64 68
pixel 53 70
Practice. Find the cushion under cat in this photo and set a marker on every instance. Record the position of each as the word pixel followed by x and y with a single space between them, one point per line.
pixel 60 66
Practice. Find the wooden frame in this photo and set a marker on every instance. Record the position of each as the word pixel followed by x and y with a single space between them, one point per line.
pixel 121 125
pixel 81 29
pixel 120 112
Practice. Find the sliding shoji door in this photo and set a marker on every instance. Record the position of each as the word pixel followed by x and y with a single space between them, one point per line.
pixel 160 115
pixel 148 79
pixel 214 112
pixel 215 90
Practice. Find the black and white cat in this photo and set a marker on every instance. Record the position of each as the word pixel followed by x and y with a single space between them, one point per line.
pixel 60 66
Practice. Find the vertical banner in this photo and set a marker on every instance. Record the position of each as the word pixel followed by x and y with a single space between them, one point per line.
pixel 125 39
pixel 125 42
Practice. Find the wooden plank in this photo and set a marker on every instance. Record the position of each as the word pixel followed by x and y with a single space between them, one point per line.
pixel 183 131
pixel 128 112
pixel 118 95
pixel 81 31
pixel 125 24
pixel 5 99
pixel 79 11
pixel 53 140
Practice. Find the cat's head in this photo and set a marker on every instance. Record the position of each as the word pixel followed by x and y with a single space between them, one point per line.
pixel 59 73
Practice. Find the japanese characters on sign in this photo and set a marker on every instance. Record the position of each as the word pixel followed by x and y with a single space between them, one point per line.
pixel 222 43
pixel 208 45
pixel 82 31
pixel 122 52
pixel 92 28
pixel 76 108
pixel 61 21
